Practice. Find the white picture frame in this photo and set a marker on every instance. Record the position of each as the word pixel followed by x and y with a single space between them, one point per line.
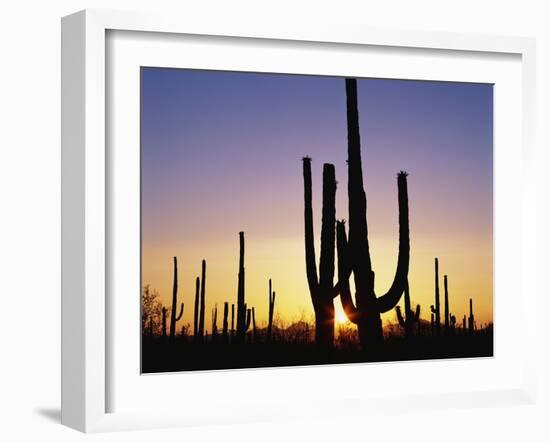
pixel 86 204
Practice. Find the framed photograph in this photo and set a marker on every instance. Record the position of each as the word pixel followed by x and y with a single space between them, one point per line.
pixel 269 221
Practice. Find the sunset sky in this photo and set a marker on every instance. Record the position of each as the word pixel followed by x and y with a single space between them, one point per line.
pixel 221 153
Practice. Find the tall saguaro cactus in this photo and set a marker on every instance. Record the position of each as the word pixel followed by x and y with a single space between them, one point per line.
pixel 225 323
pixel 232 320
pixel 471 319
pixel 354 255
pixel 411 318
pixel 163 323
pixel 270 315
pixel 202 302
pixel 215 322
pixel 196 312
pixel 254 330
pixel 437 309
pixel 173 317
pixel 243 314
pixel 447 313
pixel 321 287
pixel 200 294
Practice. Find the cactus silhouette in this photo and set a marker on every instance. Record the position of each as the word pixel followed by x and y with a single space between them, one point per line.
pixel 355 255
pixel 471 322
pixel 225 324
pixel 173 317
pixel 243 314
pixel 447 313
pixel 411 318
pixel 215 322
pixel 163 323
pixel 432 324
pixel 464 324
pixel 321 288
pixel 203 295
pixel 232 320
pixel 254 330
pixel 197 306
pixel 271 310
pixel 436 310
pixel 200 294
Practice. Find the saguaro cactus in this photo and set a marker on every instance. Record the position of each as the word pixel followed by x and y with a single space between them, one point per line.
pixel 225 324
pixel 270 315
pixel 411 318
pixel 447 313
pixel 453 322
pixel 243 314
pixel 203 295
pixel 163 323
pixel 471 319
pixel 215 322
pixel 254 330
pixel 197 306
pixel 232 320
pixel 355 255
pixel 173 317
pixel 437 308
pixel 321 288
pixel 464 324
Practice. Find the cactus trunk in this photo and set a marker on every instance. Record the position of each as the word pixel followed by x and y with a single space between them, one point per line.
pixel 254 330
pixel 163 322
pixel 173 317
pixel 225 324
pixel 270 315
pixel 232 320
pixel 471 319
pixel 355 255
pixel 321 288
pixel 196 313
pixel 215 322
pixel 202 302
pixel 437 309
pixel 243 315
pixel 447 314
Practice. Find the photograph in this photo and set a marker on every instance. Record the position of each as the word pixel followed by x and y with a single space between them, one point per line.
pixel 300 220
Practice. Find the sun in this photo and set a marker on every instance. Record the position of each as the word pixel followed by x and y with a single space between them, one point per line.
pixel 341 317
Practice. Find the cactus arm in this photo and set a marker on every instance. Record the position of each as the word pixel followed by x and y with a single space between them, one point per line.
pixel 180 314
pixel 328 220
pixel 392 297
pixel 344 272
pixel 400 316
pixel 311 268
pixel 417 313
pixel 248 319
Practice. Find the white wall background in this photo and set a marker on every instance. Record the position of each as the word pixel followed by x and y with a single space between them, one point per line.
pixel 30 214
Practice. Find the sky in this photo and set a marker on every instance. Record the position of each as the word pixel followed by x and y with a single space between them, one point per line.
pixel 221 153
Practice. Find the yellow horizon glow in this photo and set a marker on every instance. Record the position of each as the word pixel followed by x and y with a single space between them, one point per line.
pixel 466 261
